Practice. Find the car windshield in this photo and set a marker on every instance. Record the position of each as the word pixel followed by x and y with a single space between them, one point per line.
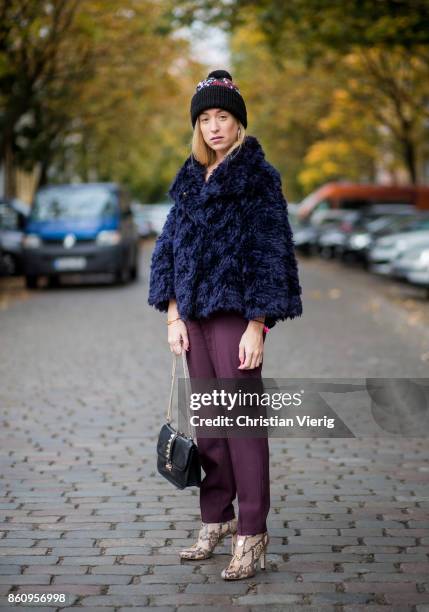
pixel 418 224
pixel 72 203
pixel 388 221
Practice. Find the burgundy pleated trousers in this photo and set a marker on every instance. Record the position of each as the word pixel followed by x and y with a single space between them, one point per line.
pixel 233 466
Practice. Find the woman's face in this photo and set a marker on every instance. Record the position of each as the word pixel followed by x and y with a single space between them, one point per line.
pixel 219 128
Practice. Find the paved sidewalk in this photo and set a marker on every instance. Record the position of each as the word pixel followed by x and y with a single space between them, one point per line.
pixel 83 512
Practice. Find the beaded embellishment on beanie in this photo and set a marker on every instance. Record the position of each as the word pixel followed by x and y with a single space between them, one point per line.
pixel 223 81
pixel 218 90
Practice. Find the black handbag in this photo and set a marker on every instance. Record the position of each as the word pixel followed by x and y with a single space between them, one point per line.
pixel 178 457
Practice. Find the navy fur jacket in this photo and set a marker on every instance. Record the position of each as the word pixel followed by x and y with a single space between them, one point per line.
pixel 227 244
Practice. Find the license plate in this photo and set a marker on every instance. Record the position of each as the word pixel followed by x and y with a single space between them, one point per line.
pixel 70 263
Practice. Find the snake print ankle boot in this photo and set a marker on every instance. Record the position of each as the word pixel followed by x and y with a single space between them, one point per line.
pixel 248 549
pixel 209 536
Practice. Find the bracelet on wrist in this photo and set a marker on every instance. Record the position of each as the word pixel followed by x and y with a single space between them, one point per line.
pixel 173 320
pixel 266 329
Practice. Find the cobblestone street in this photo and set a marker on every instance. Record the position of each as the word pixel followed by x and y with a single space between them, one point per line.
pixel 85 376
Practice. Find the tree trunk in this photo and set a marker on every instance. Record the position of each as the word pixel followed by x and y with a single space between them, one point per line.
pixel 410 158
pixel 43 177
pixel 9 170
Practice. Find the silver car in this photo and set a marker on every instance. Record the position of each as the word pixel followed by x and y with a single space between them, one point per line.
pixel 388 248
pixel 413 265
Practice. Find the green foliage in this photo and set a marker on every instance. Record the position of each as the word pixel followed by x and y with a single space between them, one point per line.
pixel 100 89
pixel 336 89
pixel 95 89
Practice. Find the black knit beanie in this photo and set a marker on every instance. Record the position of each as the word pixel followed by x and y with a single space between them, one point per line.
pixel 218 91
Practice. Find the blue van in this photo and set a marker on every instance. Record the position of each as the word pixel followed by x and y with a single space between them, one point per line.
pixel 80 228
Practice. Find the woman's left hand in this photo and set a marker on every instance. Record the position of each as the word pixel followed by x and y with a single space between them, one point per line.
pixel 251 347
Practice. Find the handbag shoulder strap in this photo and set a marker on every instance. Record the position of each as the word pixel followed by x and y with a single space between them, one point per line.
pixel 173 378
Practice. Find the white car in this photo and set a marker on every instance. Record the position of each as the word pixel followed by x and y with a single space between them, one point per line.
pixel 388 248
pixel 413 265
pixel 157 214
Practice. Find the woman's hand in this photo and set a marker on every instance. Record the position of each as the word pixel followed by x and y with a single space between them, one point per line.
pixel 251 347
pixel 177 331
pixel 178 337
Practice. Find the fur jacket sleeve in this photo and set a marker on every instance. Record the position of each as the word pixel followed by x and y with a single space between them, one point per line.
pixel 161 286
pixel 270 267
pixel 227 243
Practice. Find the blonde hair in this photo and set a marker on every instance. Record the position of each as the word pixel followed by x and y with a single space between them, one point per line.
pixel 205 154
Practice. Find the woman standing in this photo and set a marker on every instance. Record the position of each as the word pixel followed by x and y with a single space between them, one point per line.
pixel 224 269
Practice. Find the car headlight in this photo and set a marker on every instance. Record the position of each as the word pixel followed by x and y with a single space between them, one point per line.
pixel 360 240
pixel 108 237
pixel 31 241
pixel 424 257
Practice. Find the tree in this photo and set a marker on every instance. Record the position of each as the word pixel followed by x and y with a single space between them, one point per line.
pixel 392 87
pixel 35 71
pixel 318 25
pixel 284 103
pixel 94 89
pixel 378 56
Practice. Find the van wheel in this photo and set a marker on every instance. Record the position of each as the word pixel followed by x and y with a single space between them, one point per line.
pixel 9 265
pixel 31 281
pixel 53 282
pixel 135 270
pixel 122 276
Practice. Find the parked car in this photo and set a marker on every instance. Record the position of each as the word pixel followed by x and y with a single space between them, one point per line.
pixel 13 216
pixel 307 233
pixel 362 226
pixel 359 243
pixel 141 219
pixel 292 210
pixel 331 242
pixel 388 248
pixel 354 196
pixel 337 225
pixel 84 228
pixel 157 215
pixel 413 265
